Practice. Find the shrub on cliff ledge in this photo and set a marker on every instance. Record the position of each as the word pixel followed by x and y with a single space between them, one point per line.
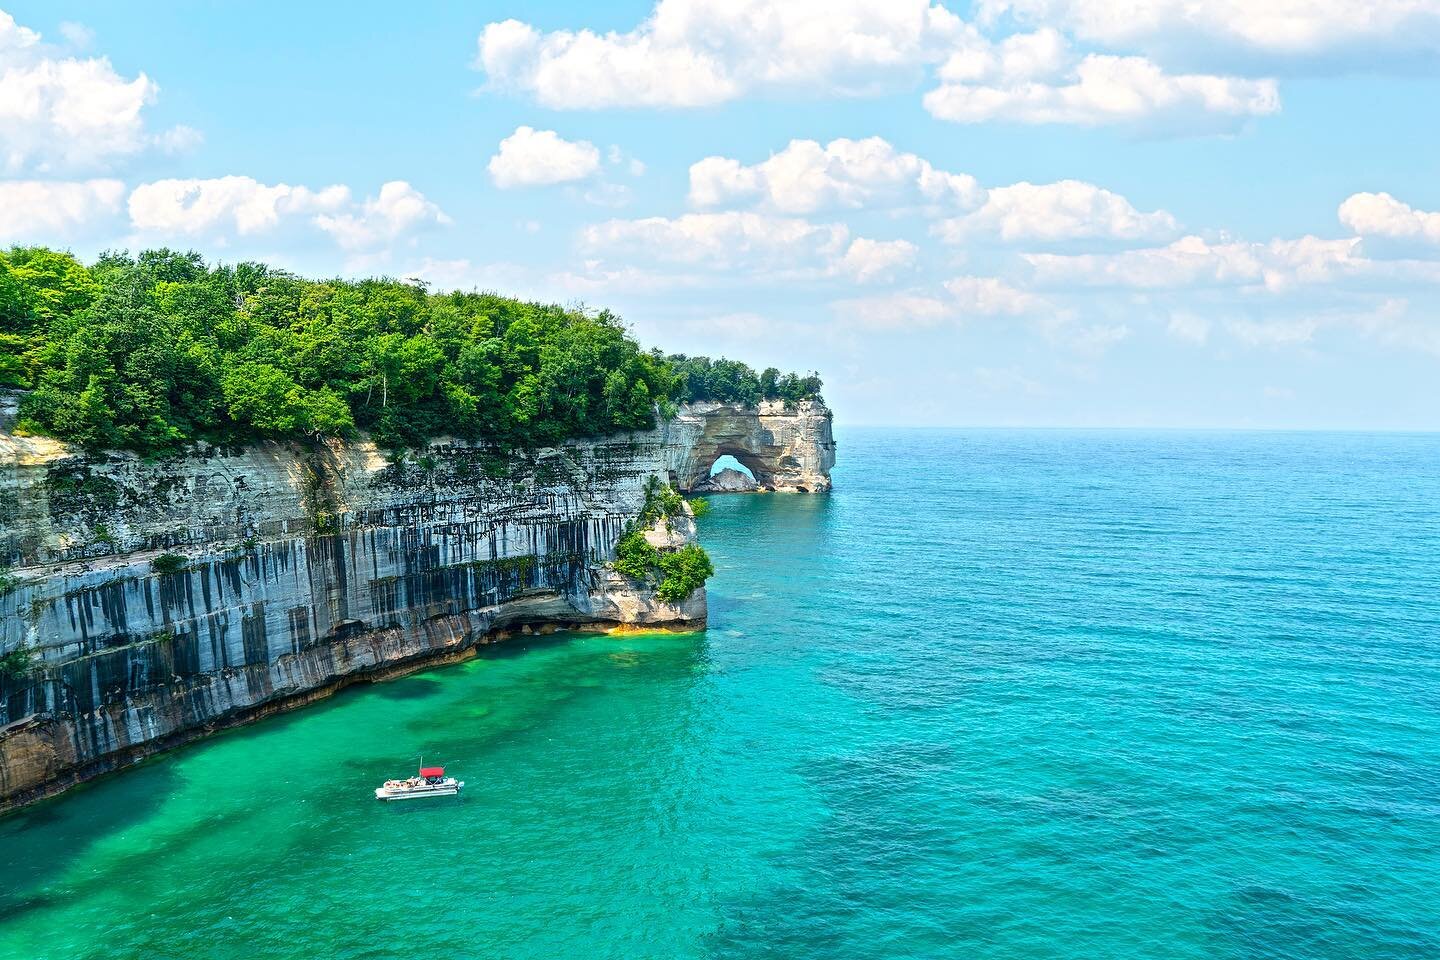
pixel 18 663
pixel 168 563
pixel 676 573
pixel 682 572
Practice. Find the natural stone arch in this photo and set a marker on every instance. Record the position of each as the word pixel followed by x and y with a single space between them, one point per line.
pixel 785 447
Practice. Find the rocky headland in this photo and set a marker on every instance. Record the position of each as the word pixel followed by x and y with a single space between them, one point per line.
pixel 144 603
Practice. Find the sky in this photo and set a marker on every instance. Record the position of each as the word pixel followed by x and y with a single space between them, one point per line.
pixel 1092 213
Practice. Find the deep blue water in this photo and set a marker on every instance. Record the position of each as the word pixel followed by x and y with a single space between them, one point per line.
pixel 1002 695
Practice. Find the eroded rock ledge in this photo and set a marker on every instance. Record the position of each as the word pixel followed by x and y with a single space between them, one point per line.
pixel 163 600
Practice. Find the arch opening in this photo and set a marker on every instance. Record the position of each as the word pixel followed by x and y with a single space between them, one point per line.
pixel 727 461
pixel 727 471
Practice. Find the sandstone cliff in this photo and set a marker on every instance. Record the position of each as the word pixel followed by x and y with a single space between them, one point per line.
pixel 160 600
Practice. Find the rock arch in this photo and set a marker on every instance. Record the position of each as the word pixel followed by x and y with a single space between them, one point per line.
pixel 787 447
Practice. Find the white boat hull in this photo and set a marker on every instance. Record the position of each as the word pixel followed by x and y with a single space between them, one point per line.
pixel 450 789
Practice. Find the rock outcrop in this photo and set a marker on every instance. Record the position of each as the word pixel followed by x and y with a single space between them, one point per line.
pixel 728 480
pixel 788 447
pixel 143 604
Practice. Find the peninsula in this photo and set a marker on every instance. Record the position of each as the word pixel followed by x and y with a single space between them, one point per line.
pixel 162 582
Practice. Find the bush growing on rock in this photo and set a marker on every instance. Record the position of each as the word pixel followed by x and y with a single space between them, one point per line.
pixel 168 563
pixel 675 573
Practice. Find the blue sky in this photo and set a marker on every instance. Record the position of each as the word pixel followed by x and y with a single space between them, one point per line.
pixel 1016 212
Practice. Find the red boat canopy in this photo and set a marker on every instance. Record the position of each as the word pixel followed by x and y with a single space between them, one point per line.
pixel 432 771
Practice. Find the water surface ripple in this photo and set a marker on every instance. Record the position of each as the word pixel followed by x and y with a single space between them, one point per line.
pixel 1003 695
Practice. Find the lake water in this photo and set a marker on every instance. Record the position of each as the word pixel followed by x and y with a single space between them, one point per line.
pixel 1002 695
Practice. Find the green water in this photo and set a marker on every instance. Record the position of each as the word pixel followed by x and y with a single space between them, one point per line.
pixel 1003 695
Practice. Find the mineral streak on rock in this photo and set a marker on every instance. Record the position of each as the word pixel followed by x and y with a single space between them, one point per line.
pixel 161 600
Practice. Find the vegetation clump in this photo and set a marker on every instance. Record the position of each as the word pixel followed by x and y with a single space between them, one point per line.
pixel 168 563
pixel 675 573
pixel 153 352
pixel 18 663
pixel 519 567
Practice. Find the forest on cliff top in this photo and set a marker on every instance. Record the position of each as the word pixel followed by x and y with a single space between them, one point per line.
pixel 155 351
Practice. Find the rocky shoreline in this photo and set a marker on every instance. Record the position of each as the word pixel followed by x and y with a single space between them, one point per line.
pixel 164 600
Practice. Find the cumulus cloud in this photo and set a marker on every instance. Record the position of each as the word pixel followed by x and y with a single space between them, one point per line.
pixel 397 210
pixel 530 157
pixel 244 206
pixel 241 204
pixel 61 112
pixel 1275 27
pixel 1036 78
pixel 1067 210
pixel 895 311
pixel 806 177
pixel 1194 261
pixel 868 261
pixel 1381 215
pixel 990 296
pixel 39 210
pixel 692 53
pixel 746 242
pixel 719 240
pixel 963 297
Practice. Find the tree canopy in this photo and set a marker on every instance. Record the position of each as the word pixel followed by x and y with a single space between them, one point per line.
pixel 731 381
pixel 155 351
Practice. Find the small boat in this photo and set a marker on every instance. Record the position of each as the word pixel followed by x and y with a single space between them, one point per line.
pixel 431 782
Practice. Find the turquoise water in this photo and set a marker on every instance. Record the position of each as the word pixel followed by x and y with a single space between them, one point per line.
pixel 1004 694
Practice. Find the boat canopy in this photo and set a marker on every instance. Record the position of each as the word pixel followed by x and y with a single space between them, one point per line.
pixel 432 771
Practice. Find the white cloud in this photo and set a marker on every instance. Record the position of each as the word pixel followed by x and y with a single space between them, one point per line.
pixel 1193 261
pixel 530 157
pixel 62 113
pixel 221 204
pixel 1381 215
pixel 964 297
pixel 1276 27
pixel 806 177
pixel 1273 333
pixel 720 240
pixel 41 210
pixel 868 261
pixel 398 209
pixel 692 53
pixel 895 311
pixel 1067 210
pixel 244 206
pixel 1392 324
pixel 990 296
pixel 77 35
pixel 745 242
pixel 1035 78
pixel 1189 327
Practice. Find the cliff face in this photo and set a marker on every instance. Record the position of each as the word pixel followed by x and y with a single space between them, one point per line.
pixel 160 600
